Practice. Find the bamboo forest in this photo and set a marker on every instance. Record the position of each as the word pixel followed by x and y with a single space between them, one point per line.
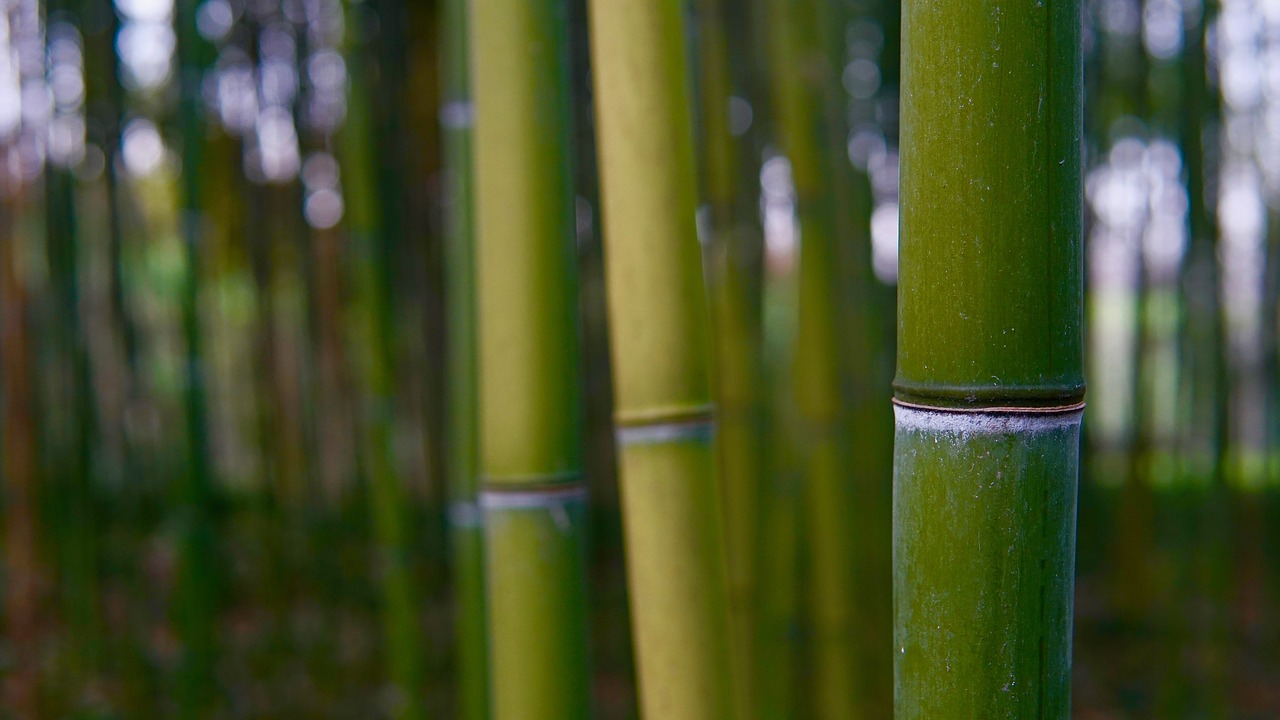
pixel 662 359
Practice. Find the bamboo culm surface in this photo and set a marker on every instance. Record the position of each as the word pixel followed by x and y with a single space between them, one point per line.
pixel 659 335
pixel 989 385
pixel 533 496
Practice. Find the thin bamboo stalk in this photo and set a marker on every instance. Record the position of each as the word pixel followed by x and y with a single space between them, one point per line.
pixel 74 428
pixel 466 532
pixel 659 337
pixel 989 385
pixel 530 378
pixel 196 586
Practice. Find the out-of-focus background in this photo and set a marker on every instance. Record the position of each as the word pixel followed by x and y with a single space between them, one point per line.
pixel 224 388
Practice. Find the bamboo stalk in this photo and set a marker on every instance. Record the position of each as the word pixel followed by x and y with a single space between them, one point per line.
pixel 375 222
pixel 196 585
pixel 989 385
pixel 659 339
pixel 734 279
pixel 74 428
pixel 533 496
pixel 466 532
pixel 807 111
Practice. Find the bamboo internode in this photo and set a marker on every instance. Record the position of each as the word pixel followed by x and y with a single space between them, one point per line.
pixel 990 261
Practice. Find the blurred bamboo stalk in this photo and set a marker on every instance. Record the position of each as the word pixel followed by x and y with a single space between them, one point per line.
pixel 808 110
pixel 466 532
pixel 197 590
pixel 375 223
pixel 659 336
pixel 735 247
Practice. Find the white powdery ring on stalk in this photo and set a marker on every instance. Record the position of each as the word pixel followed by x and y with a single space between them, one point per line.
pixel 998 422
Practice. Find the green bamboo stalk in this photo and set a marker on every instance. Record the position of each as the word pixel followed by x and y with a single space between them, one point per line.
pixel 803 101
pixel 533 495
pixel 734 279
pixel 466 533
pixel 780 525
pixel 375 223
pixel 659 337
pixel 1205 351
pixel 78 573
pixel 195 595
pixel 989 385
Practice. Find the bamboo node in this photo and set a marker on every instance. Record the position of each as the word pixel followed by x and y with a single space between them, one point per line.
pixel 666 425
pixel 997 409
pixel 533 497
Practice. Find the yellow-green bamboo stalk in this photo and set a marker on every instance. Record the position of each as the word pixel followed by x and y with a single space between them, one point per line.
pixel 533 497
pixel 659 336
pixel 735 245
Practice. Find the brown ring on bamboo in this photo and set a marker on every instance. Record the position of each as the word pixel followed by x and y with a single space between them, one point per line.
pixel 996 410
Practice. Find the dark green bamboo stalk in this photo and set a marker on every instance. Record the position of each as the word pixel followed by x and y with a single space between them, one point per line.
pixel 659 337
pixel 779 548
pixel 1204 335
pixel 1205 352
pixel 989 385
pixel 195 594
pixel 466 533
pixel 375 224
pixel 74 428
pixel 533 495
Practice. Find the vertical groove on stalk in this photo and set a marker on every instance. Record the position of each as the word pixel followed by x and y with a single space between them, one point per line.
pixel 530 379
pixel 659 339
pixel 990 381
